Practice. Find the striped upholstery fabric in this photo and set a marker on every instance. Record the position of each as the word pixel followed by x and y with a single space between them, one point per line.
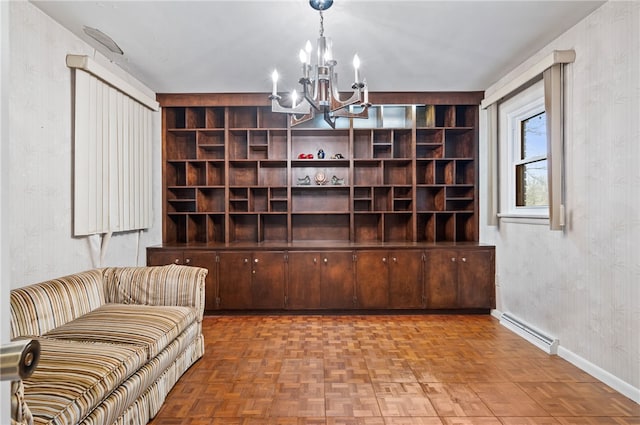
pixel 20 412
pixel 150 384
pixel 73 377
pixel 161 285
pixel 114 341
pixel 37 309
pixel 152 327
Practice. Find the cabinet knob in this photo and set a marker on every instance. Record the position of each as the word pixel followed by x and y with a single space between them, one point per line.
pixel 315 260
pixel 464 259
pixel 187 261
pixel 255 260
pixel 253 271
pixel 453 259
pixel 384 259
pixel 177 261
pixel 326 260
pixel 246 260
pixel 395 260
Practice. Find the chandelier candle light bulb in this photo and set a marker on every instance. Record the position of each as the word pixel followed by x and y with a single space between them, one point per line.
pixel 274 79
pixel 356 67
pixel 305 66
pixel 308 48
pixel 366 92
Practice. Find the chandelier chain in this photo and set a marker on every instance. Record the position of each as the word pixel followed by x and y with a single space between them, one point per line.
pixel 321 24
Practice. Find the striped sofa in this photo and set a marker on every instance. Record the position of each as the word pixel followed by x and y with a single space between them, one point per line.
pixel 114 341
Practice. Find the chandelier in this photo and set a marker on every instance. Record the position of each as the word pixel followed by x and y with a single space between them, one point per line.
pixel 320 84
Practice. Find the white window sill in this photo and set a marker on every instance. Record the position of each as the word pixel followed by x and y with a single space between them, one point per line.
pixel 524 218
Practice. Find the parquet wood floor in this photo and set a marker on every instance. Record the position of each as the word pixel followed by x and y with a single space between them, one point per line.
pixel 383 370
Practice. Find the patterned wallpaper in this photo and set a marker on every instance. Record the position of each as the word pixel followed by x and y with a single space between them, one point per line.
pixel 582 285
pixel 40 195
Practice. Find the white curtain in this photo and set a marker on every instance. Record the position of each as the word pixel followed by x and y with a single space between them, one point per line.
pixel 553 104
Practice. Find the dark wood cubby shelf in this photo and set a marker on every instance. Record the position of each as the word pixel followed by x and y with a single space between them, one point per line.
pixel 235 178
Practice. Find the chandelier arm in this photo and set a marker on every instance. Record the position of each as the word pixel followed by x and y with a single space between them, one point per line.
pixel 345 113
pixel 327 117
pixel 336 102
pixel 307 96
pixel 301 108
pixel 299 119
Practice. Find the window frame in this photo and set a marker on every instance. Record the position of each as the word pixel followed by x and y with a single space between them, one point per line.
pixel 512 112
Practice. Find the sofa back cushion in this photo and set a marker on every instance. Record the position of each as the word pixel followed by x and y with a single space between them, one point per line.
pixel 36 309
pixel 157 285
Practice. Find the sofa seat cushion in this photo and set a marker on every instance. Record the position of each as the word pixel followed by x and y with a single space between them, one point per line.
pixel 152 327
pixel 73 377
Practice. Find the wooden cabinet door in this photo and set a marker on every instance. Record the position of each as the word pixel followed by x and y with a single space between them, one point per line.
pixel 441 285
pixel 337 280
pixel 234 280
pixel 207 260
pixel 372 279
pixel 304 281
pixel 161 257
pixel 405 279
pixel 267 280
pixel 476 271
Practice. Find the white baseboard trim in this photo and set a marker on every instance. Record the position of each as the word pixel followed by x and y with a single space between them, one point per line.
pixel 614 382
pixel 600 374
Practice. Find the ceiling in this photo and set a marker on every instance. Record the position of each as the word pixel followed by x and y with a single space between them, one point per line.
pixel 233 46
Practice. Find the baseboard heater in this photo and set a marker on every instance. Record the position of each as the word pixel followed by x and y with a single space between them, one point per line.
pixel 546 343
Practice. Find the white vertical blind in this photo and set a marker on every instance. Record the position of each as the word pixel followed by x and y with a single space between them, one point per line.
pixel 112 158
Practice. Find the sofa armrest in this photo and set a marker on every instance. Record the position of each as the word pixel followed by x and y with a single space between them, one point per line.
pixel 157 285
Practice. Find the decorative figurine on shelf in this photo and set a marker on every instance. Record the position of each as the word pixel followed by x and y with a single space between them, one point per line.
pixel 336 181
pixel 304 181
pixel 320 154
pixel 337 156
pixel 320 178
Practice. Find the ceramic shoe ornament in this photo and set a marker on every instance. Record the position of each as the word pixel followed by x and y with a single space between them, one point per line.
pixel 320 154
pixel 304 181
pixel 320 178
pixel 337 156
pixel 336 181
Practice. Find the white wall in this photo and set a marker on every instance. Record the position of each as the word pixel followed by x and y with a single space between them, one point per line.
pixel 582 285
pixel 36 158
pixel 4 136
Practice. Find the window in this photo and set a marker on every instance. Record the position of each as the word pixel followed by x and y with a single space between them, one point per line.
pixel 515 173
pixel 531 188
pixel 523 142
